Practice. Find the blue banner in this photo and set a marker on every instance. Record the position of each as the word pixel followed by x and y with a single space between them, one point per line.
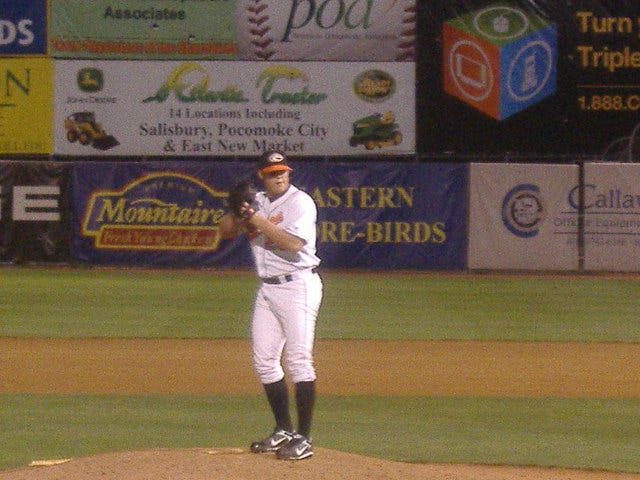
pixel 370 215
pixel 153 214
pixel 389 215
pixel 23 27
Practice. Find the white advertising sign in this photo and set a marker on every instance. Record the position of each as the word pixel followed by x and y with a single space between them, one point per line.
pixel 353 30
pixel 612 217
pixel 519 217
pixel 222 108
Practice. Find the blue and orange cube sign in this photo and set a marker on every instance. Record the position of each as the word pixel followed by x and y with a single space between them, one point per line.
pixel 499 59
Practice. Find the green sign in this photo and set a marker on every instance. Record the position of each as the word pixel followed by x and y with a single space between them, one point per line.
pixel 142 29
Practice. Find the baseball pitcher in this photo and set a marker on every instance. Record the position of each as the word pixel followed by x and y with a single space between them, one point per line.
pixel 280 223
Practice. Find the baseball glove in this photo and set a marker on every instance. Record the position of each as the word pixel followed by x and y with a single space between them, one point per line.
pixel 241 194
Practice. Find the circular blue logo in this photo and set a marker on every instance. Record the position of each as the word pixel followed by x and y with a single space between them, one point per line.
pixel 523 210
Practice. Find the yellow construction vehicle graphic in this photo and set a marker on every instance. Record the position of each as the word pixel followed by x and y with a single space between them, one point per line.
pixel 82 127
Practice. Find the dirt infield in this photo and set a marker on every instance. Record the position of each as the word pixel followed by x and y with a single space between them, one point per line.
pixel 345 367
pixel 502 369
pixel 231 464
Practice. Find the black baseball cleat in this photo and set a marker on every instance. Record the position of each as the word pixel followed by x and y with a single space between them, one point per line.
pixel 298 448
pixel 278 439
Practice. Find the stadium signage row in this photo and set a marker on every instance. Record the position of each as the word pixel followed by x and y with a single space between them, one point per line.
pixel 32 203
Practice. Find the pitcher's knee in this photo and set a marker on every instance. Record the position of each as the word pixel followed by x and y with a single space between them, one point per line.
pixel 268 373
pixel 301 371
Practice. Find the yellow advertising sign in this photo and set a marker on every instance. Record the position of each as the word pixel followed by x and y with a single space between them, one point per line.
pixel 26 92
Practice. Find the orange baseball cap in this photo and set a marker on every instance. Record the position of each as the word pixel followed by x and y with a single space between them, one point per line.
pixel 273 161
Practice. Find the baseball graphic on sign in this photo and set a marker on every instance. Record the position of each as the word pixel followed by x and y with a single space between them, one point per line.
pixel 319 30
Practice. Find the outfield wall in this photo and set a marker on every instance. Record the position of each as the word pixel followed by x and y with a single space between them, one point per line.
pixel 115 104
pixel 513 217
pixel 554 217
pixel 379 215
pixel 371 215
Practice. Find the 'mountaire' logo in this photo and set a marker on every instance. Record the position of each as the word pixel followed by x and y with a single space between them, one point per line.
pixel 157 211
pixel 523 210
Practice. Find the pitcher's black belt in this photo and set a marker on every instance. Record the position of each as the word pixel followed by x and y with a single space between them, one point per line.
pixel 285 278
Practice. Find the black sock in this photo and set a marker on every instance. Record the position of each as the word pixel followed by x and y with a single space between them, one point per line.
pixel 305 399
pixel 278 398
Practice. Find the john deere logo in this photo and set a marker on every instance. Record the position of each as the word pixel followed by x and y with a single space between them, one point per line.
pixel 90 80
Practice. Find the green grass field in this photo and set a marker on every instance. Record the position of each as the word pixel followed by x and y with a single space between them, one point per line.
pixel 187 304
pixel 584 433
pixel 577 433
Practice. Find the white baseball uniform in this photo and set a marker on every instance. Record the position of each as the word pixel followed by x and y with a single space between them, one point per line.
pixel 289 296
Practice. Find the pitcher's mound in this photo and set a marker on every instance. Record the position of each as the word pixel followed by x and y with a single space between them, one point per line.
pixel 239 464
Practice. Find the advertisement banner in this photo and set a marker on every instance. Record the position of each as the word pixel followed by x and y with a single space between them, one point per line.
pixel 612 217
pixel 355 30
pixel 275 30
pixel 152 214
pixel 519 217
pixel 374 215
pixel 23 27
pixel 378 215
pixel 142 29
pixel 529 78
pixel 25 105
pixel 233 108
pixel 33 222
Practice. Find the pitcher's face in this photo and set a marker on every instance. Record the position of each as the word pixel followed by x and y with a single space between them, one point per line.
pixel 275 183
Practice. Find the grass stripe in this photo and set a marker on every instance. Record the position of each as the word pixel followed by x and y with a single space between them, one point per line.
pixel 184 304
pixel 578 433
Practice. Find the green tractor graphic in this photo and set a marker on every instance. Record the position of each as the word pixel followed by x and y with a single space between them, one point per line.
pixel 377 130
